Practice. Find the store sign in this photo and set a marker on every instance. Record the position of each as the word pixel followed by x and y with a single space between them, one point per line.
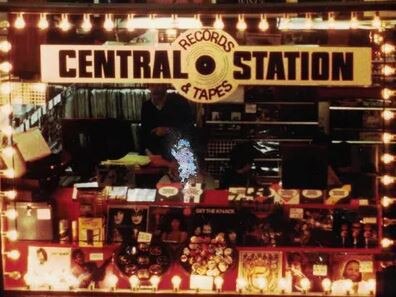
pixel 207 65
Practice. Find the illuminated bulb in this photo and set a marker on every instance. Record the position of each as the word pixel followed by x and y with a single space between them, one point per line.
pixel 154 281
pixel 282 284
pixel 198 21
pixel 386 201
pixel 40 87
pixel 263 25
pixel 387 115
pixel 218 281
pixel 305 284
pixel 347 286
pixel 5 88
pixel 387 180
pixel 8 151
pixel 7 131
pixel 371 285
pixel 261 283
pixel 171 33
pixel 378 38
pixel 6 109
pixel 11 194
pixel 386 93
pixel 9 173
pixel 387 137
pixel 134 282
pixel 387 158
pixel 5 46
pixel 376 22
pixel 11 214
pixel 129 23
pixel 64 24
pixel 12 235
pixel 326 285
pixel 112 281
pixel 308 23
pixel 331 20
pixel 43 22
pixel 19 22
pixel 175 21
pixel 5 66
pixel 241 24
pixel 286 22
pixel 387 70
pixel 218 23
pixel 354 23
pixel 387 48
pixel 108 24
pixel 386 242
pixel 176 281
pixel 28 278
pixel 86 25
pixel 241 284
pixel 14 254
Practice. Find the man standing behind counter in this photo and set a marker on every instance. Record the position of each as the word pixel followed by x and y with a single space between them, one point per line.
pixel 164 117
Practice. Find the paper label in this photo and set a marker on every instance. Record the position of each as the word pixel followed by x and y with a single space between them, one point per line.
pixel 168 191
pixel 366 266
pixel 43 214
pixel 296 213
pixel 96 257
pixel 320 270
pixel 369 220
pixel 250 108
pixel 144 237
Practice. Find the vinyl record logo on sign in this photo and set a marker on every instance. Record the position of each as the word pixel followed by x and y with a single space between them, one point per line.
pixel 208 61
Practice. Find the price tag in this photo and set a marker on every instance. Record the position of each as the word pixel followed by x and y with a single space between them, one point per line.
pixel 144 237
pixel 95 256
pixel 366 266
pixel 43 214
pixel 369 220
pixel 320 270
pixel 250 108
pixel 296 213
pixel 363 202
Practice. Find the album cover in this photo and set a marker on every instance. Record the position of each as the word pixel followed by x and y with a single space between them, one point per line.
pixel 125 222
pixel 90 232
pixel 255 265
pixel 48 267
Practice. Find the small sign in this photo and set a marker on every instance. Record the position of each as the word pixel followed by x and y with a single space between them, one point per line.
pixel 366 266
pixel 250 108
pixel 168 191
pixel 43 214
pixel 296 213
pixel 201 282
pixel 95 256
pixel 320 270
pixel 369 220
pixel 363 202
pixel 144 237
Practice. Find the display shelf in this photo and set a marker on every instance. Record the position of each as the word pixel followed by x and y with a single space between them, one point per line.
pixel 262 123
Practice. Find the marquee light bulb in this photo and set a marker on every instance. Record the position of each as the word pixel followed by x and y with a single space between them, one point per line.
pixel 285 21
pixel 8 151
pixel 376 22
pixel 64 24
pixel 263 25
pixel 5 67
pixel 129 24
pixel 43 22
pixel 387 180
pixel 9 173
pixel 6 109
pixel 13 254
pixel 108 24
pixel 354 23
pixel 11 214
pixel 331 20
pixel 5 46
pixel 218 281
pixel 387 137
pixel 154 281
pixel 386 242
pixel 387 115
pixel 348 285
pixel 112 281
pixel 326 284
pixel 261 283
pixel 241 284
pixel 241 24
pixel 198 21
pixel 218 23
pixel 12 235
pixel 19 22
pixel 305 284
pixel 134 282
pixel 86 25
pixel 282 284
pixel 386 201
pixel 386 93
pixel 371 285
pixel 176 281
pixel 387 70
pixel 308 23
pixel 387 158
pixel 11 194
pixel 387 48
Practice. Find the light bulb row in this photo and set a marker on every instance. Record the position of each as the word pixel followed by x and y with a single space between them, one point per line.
pixel 285 23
